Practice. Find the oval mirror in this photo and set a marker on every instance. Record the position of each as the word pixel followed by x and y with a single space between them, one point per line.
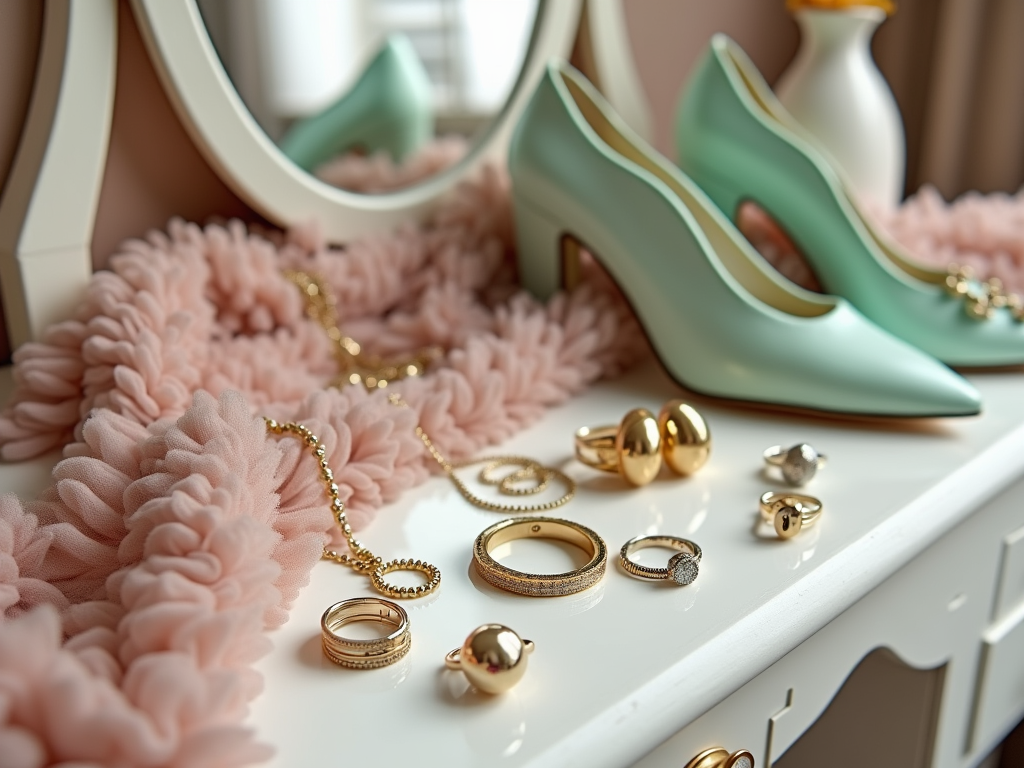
pixel 372 95
pixel 267 166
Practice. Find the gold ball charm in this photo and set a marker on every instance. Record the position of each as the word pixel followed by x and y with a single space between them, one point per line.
pixel 685 437
pixel 493 658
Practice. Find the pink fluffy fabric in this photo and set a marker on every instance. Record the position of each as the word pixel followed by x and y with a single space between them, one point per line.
pixel 136 591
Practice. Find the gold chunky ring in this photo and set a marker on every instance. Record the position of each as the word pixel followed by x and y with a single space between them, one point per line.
pixel 790 513
pixel 798 464
pixel 682 568
pixel 365 654
pixel 635 449
pixel 540 584
pixel 493 658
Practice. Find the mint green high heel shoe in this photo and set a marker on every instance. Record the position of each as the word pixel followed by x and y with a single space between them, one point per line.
pixel 720 319
pixel 738 143
pixel 389 108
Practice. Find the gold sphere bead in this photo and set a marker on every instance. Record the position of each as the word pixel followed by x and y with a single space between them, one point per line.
pixel 494 658
pixel 638 445
pixel 685 437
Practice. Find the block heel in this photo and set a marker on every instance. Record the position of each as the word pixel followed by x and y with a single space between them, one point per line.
pixel 548 256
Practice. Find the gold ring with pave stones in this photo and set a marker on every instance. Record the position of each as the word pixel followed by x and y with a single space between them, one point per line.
pixel 540 584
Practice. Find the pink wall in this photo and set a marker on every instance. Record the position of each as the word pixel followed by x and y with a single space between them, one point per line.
pixel 21 24
pixel 153 169
pixel 669 35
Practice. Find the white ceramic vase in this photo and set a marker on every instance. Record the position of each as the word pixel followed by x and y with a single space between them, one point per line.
pixel 834 89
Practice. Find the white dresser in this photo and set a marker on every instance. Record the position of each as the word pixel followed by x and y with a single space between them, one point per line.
pixel 914 577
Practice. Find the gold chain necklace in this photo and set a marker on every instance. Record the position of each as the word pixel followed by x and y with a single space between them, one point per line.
pixel 377 373
pixel 359 558
pixel 509 484
pixel 354 365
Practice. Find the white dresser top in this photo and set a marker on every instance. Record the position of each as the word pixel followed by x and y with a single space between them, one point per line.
pixel 620 667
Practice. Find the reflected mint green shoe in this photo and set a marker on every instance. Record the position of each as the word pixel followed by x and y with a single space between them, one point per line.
pixel 389 108
pixel 738 143
pixel 721 320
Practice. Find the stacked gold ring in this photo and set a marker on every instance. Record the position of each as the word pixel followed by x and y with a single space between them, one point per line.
pixel 789 513
pixel 540 584
pixel 365 654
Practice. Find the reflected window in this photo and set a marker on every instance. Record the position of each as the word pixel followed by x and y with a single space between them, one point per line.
pixel 291 58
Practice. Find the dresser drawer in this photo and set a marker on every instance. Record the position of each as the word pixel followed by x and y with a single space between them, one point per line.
pixel 1010 591
pixel 1000 700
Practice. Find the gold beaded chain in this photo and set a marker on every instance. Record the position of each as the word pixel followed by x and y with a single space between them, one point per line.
pixel 354 365
pixel 359 558
pixel 509 484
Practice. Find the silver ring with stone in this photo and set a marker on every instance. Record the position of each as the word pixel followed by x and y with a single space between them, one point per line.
pixel 682 567
pixel 797 464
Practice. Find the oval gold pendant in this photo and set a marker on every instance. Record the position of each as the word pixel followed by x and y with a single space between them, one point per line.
pixel 685 437
pixel 638 445
pixel 788 521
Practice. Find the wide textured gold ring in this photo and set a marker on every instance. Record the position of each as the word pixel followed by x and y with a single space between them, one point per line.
pixel 682 568
pixel 540 584
pixel 365 654
pixel 789 513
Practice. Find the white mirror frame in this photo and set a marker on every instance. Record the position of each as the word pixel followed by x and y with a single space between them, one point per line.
pixel 253 166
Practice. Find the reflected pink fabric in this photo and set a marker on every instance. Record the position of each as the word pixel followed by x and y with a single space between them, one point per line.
pixel 378 173
pixel 136 591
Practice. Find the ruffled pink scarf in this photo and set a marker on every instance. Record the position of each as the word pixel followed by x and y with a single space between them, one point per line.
pixel 177 532
pixel 136 592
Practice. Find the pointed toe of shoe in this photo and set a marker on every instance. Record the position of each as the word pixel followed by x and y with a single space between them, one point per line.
pixel 853 367
pixel 911 383
pixel 941 392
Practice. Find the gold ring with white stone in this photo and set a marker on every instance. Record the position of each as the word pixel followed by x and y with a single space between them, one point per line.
pixel 789 513
pixel 797 464
pixel 682 567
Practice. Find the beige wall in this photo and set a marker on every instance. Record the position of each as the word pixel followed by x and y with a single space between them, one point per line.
pixel 153 169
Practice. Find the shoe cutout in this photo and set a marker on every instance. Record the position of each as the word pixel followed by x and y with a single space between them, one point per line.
pixel 738 143
pixel 720 319
pixel 389 108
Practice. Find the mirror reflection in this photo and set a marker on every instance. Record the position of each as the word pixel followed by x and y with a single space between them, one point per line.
pixel 372 95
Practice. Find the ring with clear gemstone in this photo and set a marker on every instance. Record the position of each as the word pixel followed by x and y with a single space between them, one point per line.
pixel 798 464
pixel 682 568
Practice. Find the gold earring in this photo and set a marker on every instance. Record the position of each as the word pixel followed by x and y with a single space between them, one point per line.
pixel 493 658
pixel 685 437
pixel 636 448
